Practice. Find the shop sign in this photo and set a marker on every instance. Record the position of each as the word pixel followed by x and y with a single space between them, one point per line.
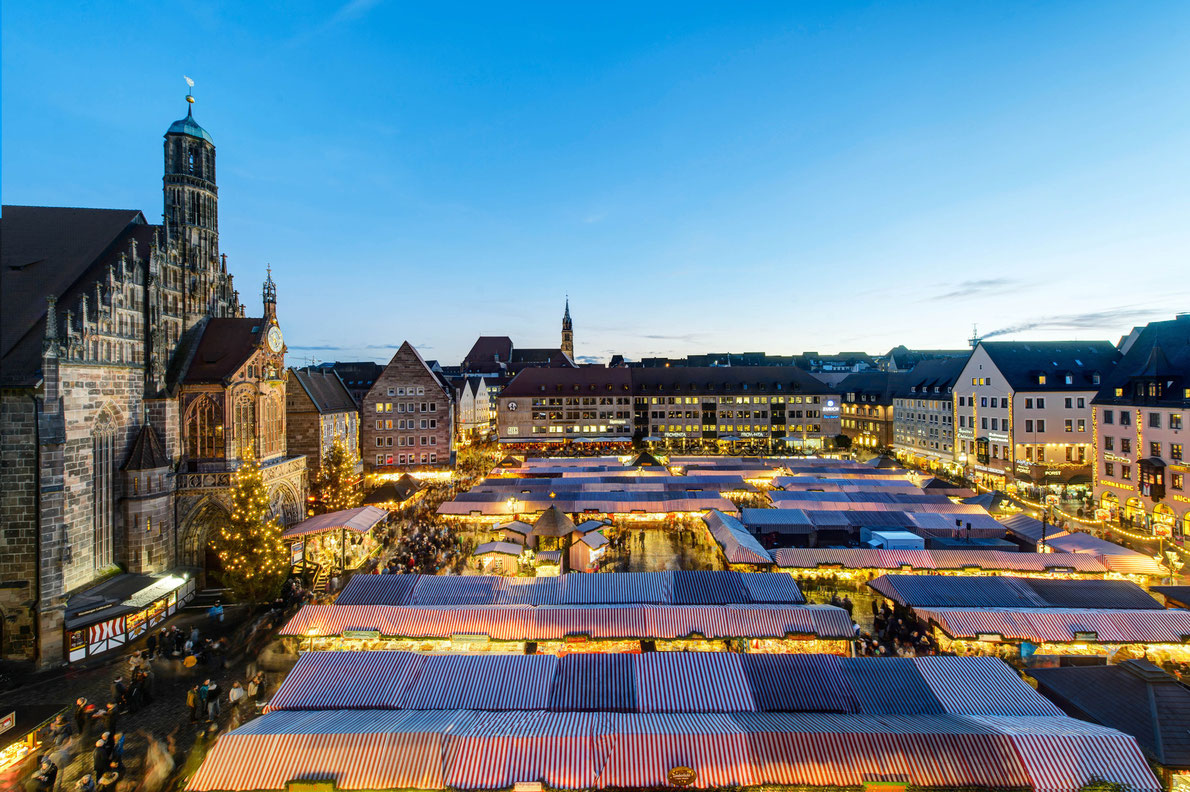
pixel 527 786
pixel 1023 467
pixel 884 786
pixel 576 639
pixel 7 722
pixel 998 437
pixel 990 637
pixel 297 551
pixel 682 776
pixel 361 635
pixel 1086 635
pixel 1052 472
pixel 754 434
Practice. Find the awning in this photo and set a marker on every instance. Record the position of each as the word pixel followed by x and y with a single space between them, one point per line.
pixel 358 520
pixel 120 595
pixel 504 548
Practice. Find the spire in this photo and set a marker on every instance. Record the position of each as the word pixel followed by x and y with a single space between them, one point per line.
pixel 567 331
pixel 269 293
pixel 51 324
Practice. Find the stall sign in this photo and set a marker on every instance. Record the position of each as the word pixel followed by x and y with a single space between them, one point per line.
pixel 991 637
pixel 1162 529
pixel 105 635
pixel 297 551
pixel 682 776
pixel 7 722
pixel 884 786
pixel 1086 635
pixel 576 639
pixel 527 786
pixel 361 635
pixel 470 638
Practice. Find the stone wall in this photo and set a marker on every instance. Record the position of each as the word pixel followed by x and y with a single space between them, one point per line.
pixel 18 517
pixel 407 392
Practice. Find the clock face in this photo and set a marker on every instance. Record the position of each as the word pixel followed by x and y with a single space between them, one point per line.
pixel 274 338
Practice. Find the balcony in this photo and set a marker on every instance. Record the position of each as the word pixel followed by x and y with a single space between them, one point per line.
pixel 215 480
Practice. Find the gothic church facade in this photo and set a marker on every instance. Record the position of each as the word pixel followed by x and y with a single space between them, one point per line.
pixel 131 386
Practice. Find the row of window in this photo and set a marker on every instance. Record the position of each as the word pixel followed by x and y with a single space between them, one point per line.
pixel 584 401
pixel 1177 481
pixel 406 459
pixel 407 407
pixel 388 424
pixel 407 391
pixel 407 440
pixel 1155 446
pixel 1175 419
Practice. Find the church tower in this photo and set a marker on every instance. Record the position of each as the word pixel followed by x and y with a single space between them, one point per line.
pixel 192 218
pixel 567 332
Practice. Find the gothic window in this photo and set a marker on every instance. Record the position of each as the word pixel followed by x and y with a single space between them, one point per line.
pixel 273 429
pixel 103 472
pixel 204 430
pixel 244 413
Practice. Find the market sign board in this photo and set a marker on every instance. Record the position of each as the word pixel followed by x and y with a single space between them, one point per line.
pixel 682 776
pixel 8 721
pixel 361 635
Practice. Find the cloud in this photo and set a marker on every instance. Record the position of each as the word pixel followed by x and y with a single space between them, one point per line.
pixel 1090 320
pixel 982 287
pixel 663 337
pixel 588 359
pixel 354 9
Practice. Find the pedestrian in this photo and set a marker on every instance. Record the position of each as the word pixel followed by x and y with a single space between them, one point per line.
pixel 85 784
pixel 216 613
pixel 100 759
pixel 80 716
pixel 256 687
pixel 192 701
pixel 234 698
pixel 110 716
pixel 194 635
pixel 117 752
pixel 46 775
pixel 212 700
pixel 151 644
pixel 120 692
pixel 204 692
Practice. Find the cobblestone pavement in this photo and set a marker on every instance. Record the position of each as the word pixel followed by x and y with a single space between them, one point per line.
pixel 167 716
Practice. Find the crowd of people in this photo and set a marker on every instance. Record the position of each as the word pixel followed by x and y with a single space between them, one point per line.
pixel 424 549
pixel 894 634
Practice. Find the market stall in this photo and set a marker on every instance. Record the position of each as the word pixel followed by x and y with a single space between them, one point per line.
pixel 121 609
pixel 339 540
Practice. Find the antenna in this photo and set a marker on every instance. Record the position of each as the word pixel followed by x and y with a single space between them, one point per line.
pixel 974 335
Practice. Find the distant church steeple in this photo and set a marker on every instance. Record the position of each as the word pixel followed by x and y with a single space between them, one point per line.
pixel 567 332
pixel 269 295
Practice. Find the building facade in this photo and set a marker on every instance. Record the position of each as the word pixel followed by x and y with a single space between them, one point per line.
pixel 687 406
pixel 407 417
pixel 319 411
pixel 108 322
pixel 1023 411
pixel 923 412
pixel 1141 441
pixel 867 409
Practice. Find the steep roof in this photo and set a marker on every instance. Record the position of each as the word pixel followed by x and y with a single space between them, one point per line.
pixel 717 379
pixel 148 452
pixel 1136 697
pixel 488 350
pixel 1161 352
pixel 553 522
pixel 225 345
pixel 325 389
pixel 1022 362
pixel 876 386
pixel 58 251
pixel 930 377
pixel 554 381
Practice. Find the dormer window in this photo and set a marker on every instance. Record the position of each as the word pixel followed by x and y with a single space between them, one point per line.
pixel 1069 379
pixel 1119 392
pixel 1095 378
pixel 1040 379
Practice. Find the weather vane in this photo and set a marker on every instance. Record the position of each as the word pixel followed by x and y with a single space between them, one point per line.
pixel 189 94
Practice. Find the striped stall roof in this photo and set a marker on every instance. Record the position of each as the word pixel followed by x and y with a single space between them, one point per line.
pixel 797 683
pixel 774 587
pixel 891 686
pixel 1059 625
pixel 377 590
pixel 849 751
pixel 619 588
pixel 347 680
pixel 482 682
pixel 599 682
pixel 678 621
pixel 957 591
pixel 738 545
pixel 692 682
pixel 530 591
pixel 624 621
pixel 703 587
pixel 981 686
pixel 565 750
pixel 456 590
pixel 988 560
pixel 648 746
pixel 358 750
pixel 1063 754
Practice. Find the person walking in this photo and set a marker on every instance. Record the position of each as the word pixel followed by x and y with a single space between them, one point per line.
pixel 192 701
pixel 216 613
pixel 204 692
pixel 100 759
pixel 234 698
pixel 151 644
pixel 212 701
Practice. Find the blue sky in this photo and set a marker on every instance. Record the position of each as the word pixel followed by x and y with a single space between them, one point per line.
pixel 698 177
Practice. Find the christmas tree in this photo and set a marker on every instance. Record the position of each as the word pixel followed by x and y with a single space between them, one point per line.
pixel 336 483
pixel 255 561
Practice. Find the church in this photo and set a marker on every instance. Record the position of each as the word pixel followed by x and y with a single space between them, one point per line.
pixel 132 385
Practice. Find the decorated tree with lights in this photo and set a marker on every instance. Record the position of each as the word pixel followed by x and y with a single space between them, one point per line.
pixel 336 483
pixel 255 561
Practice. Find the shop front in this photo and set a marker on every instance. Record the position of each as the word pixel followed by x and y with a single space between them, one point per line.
pixel 21 737
pixel 122 609
pixel 335 542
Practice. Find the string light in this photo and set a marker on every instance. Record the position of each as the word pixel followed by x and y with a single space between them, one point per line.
pixel 254 559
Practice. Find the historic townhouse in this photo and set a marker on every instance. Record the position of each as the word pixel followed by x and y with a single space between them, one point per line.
pixel 131 385
pixel 923 412
pixel 407 417
pixel 1140 432
pixel 1023 410
pixel 319 411
pixel 867 408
